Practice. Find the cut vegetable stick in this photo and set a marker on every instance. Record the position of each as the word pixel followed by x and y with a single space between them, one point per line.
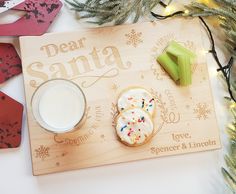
pixel 169 65
pixel 176 49
pixel 185 73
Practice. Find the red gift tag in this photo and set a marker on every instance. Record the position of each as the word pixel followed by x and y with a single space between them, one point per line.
pixel 10 63
pixel 11 113
pixel 39 15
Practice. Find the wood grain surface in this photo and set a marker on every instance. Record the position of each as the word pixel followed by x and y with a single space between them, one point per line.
pixel 103 62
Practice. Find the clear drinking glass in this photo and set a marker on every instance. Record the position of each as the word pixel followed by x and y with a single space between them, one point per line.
pixel 59 105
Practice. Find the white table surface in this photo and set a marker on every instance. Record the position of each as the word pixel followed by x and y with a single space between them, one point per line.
pixel 197 173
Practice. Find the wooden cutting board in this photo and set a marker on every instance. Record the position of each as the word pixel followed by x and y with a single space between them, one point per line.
pixel 103 62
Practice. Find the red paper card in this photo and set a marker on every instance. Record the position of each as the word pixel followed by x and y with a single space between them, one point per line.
pixel 11 113
pixel 8 4
pixel 2 3
pixel 39 15
pixel 10 63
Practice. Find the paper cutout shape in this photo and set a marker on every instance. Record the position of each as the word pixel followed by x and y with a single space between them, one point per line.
pixel 6 5
pixel 2 3
pixel 39 15
pixel 11 113
pixel 10 63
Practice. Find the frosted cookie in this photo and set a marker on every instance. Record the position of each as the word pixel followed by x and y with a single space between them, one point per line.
pixel 136 97
pixel 134 126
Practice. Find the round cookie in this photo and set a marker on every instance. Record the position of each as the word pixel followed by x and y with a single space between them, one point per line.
pixel 134 126
pixel 136 97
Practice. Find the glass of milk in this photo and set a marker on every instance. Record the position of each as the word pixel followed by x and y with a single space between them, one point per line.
pixel 59 105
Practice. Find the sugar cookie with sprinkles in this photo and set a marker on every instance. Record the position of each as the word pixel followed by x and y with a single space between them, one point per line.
pixel 134 126
pixel 136 97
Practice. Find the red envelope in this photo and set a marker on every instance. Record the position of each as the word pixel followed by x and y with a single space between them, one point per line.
pixel 10 63
pixel 39 15
pixel 11 113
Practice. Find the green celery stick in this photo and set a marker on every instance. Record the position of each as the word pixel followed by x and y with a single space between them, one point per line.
pixel 185 73
pixel 169 65
pixel 176 49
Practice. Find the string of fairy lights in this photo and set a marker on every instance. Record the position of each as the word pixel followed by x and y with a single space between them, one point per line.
pixel 171 11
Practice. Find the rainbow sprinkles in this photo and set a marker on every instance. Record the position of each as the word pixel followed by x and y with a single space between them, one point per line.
pixel 137 97
pixel 134 125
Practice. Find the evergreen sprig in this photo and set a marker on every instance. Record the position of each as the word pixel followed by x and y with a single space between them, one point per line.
pixel 116 11
pixel 230 159
pixel 225 11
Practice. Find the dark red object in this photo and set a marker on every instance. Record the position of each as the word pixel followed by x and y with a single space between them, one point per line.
pixel 8 4
pixel 2 3
pixel 39 15
pixel 11 113
pixel 10 63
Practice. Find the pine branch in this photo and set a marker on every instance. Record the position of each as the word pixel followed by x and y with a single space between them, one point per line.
pixel 230 159
pixel 225 12
pixel 230 180
pixel 116 11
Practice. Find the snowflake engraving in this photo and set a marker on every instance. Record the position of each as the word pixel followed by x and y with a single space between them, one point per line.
pixel 202 111
pixel 42 152
pixel 134 38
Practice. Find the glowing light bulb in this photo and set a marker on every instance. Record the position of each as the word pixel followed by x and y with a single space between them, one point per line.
pixel 204 52
pixel 209 3
pixel 186 11
pixel 169 9
pixel 233 105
